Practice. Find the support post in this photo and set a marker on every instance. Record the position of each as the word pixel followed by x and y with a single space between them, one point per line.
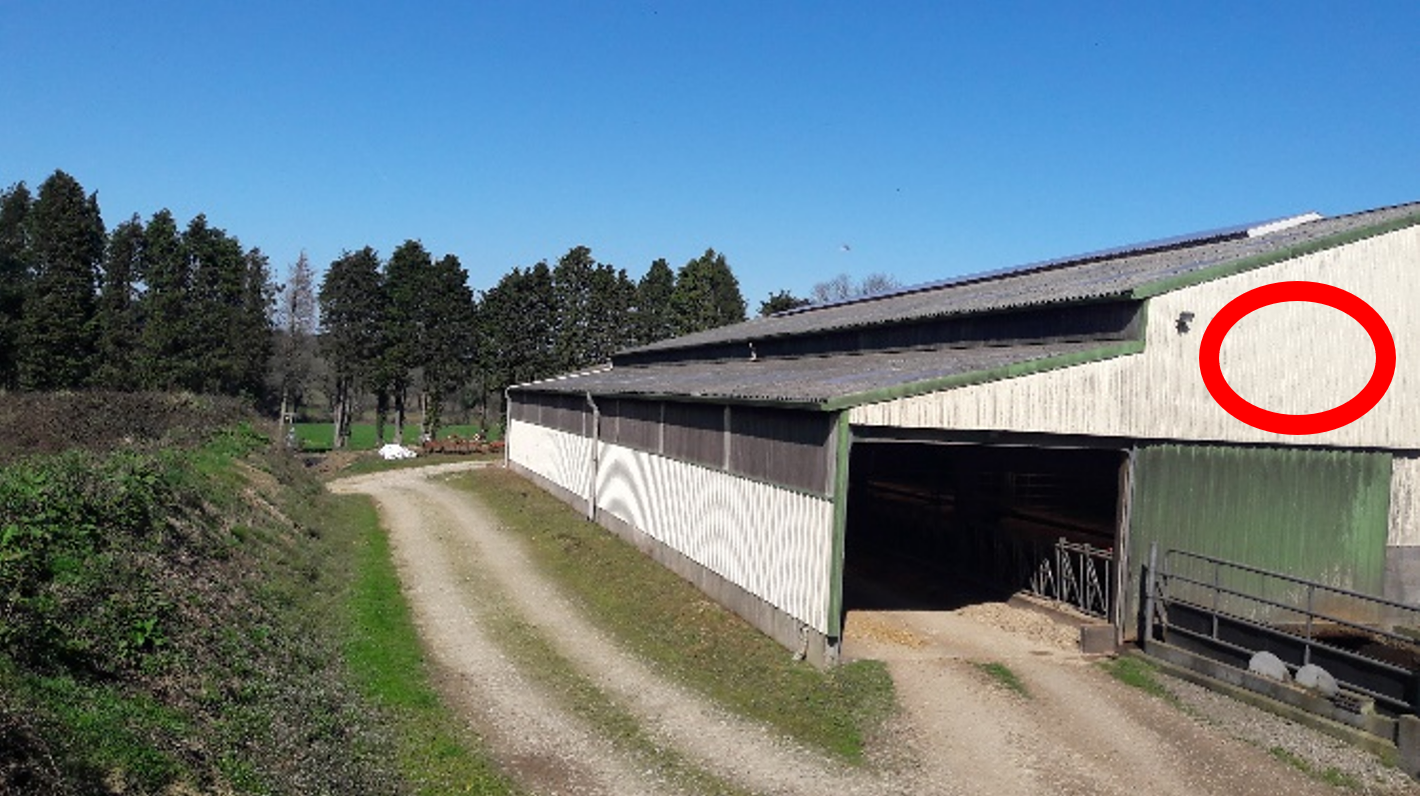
pixel 594 465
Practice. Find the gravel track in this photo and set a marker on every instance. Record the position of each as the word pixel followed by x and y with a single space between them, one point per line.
pixel 1078 731
pixel 541 744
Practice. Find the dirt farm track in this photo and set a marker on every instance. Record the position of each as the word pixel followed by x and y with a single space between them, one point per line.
pixel 1078 732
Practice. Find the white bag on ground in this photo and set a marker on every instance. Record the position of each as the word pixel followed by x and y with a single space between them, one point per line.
pixel 393 451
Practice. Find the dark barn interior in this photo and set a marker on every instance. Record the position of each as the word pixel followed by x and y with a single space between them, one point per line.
pixel 936 526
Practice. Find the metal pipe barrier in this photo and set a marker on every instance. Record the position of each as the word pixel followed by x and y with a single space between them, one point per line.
pixel 1228 618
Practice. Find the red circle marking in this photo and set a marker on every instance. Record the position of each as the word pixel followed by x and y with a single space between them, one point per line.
pixel 1316 293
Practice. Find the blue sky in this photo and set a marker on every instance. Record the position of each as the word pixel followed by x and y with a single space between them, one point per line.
pixel 930 138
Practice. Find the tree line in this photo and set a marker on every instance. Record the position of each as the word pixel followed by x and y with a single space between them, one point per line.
pixel 410 327
pixel 146 306
pixel 150 305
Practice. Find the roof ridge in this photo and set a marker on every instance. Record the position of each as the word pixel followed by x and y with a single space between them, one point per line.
pixel 1152 246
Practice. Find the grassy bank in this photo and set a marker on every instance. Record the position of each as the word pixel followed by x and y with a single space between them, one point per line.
pixel 676 628
pixel 207 619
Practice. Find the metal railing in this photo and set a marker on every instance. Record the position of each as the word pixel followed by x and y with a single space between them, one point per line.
pixel 1203 605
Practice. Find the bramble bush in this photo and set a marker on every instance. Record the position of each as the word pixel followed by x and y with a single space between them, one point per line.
pixel 97 421
pixel 79 542
pixel 169 621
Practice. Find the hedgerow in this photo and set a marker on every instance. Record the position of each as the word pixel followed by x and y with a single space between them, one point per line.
pixel 100 421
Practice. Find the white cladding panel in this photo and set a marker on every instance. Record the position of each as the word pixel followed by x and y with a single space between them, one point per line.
pixel 1404 502
pixel 562 458
pixel 775 543
pixel 1294 358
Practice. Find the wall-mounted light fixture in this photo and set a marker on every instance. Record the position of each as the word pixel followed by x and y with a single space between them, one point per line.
pixel 1184 319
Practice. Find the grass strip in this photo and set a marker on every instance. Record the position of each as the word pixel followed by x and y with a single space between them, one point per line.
pixel 1003 676
pixel 1139 673
pixel 537 659
pixel 673 626
pixel 383 651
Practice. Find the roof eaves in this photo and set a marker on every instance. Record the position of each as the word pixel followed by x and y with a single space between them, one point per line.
pixel 1118 349
pixel 535 384
pixel 705 398
pixel 1234 267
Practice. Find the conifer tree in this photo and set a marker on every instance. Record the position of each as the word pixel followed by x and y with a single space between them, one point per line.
pixel 572 293
pixel 57 332
pixel 164 344
pixel 351 322
pixel 216 297
pixel 654 318
pixel 516 326
pixel 252 337
pixel 14 277
pixel 593 304
pixel 612 328
pixel 118 323
pixel 707 295
pixel 449 341
pixel 408 288
pixel 782 301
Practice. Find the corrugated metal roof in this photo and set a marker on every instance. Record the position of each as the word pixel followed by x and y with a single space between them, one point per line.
pixel 822 381
pixel 1235 232
pixel 1113 273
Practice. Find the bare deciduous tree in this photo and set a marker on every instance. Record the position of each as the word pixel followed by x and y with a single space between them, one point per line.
pixel 844 288
pixel 296 343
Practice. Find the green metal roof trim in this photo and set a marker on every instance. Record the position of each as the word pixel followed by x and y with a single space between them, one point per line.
pixel 1272 258
pixel 1014 370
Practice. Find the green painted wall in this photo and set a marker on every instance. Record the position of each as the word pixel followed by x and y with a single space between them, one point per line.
pixel 1313 514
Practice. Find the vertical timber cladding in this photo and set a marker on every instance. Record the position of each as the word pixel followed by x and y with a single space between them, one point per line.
pixel 1315 514
pixel 1402 551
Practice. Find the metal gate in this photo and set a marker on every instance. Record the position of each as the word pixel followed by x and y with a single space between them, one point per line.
pixel 1077 574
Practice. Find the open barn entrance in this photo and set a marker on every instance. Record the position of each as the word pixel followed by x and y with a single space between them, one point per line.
pixel 936 526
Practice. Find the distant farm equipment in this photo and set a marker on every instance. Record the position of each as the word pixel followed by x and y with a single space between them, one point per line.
pixel 456 444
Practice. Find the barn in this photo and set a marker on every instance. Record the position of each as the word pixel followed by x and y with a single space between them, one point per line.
pixel 1040 428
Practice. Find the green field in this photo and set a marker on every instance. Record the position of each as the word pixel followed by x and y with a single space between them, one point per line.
pixel 320 436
